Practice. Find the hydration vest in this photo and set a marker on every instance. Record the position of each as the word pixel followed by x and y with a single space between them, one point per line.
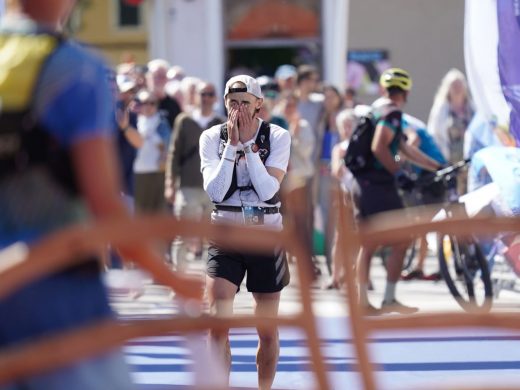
pixel 26 148
pixel 24 143
pixel 264 150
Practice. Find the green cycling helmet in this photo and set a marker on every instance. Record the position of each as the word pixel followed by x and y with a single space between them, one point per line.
pixel 396 77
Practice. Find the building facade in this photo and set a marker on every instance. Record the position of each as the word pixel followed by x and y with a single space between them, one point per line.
pixel 423 36
pixel 119 30
pixel 213 38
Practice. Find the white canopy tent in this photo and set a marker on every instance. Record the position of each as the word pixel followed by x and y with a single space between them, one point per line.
pixel 480 52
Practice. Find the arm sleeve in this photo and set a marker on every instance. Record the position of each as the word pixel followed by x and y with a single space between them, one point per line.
pixel 216 173
pixel 266 186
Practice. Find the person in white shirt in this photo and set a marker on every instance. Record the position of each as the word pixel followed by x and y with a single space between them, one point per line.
pixel 346 121
pixel 151 140
pixel 243 163
pixel 301 166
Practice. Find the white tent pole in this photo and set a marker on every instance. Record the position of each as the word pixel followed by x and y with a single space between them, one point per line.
pixel 335 14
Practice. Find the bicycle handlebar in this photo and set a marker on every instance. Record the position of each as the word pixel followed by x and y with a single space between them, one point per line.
pixel 452 168
pixel 442 174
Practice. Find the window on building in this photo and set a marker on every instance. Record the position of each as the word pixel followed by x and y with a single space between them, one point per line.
pixel 128 15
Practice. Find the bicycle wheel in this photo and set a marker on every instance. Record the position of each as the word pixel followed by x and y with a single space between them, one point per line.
pixel 466 273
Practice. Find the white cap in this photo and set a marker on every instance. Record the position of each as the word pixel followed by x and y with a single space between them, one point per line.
pixel 362 110
pixel 251 84
pixel 285 71
pixel 145 96
pixel 125 83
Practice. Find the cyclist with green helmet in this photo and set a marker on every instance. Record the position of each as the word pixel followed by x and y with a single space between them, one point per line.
pixel 376 188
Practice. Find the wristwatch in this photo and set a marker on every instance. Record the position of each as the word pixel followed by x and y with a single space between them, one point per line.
pixel 251 148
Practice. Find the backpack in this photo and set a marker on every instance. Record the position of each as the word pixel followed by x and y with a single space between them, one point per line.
pixel 264 144
pixel 359 157
pixel 24 143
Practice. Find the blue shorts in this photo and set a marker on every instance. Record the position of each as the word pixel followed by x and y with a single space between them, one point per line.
pixel 54 304
pixel 108 372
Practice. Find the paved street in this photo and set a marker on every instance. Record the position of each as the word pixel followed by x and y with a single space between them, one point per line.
pixel 408 359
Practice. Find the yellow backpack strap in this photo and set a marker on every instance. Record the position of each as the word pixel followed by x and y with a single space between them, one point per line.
pixel 21 60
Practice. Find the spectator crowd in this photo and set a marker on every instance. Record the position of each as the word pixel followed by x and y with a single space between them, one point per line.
pixel 162 111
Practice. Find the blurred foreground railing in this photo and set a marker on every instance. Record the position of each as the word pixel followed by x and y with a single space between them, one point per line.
pixel 62 249
pixel 394 227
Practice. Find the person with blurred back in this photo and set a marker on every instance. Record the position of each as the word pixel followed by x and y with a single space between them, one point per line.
pixel 58 169
pixel 243 163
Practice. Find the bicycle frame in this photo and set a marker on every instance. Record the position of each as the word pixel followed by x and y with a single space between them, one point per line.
pixel 462 261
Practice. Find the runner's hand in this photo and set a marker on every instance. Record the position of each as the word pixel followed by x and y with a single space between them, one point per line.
pixel 232 127
pixel 247 124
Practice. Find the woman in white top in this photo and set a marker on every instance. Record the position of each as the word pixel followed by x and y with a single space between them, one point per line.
pixel 449 118
pixel 346 121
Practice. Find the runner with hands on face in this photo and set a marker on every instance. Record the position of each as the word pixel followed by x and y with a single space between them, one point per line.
pixel 242 126
pixel 243 162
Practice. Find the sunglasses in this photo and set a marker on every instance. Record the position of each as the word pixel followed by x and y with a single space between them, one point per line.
pixel 149 103
pixel 207 94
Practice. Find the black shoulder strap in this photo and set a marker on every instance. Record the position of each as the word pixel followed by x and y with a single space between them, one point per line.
pixel 26 139
pixel 396 116
pixel 223 132
pixel 264 150
pixel 223 139
pixel 263 141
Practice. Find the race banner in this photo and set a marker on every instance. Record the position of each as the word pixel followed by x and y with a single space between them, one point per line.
pixel 508 12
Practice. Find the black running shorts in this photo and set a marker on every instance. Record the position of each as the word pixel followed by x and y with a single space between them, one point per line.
pixel 373 196
pixel 265 273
